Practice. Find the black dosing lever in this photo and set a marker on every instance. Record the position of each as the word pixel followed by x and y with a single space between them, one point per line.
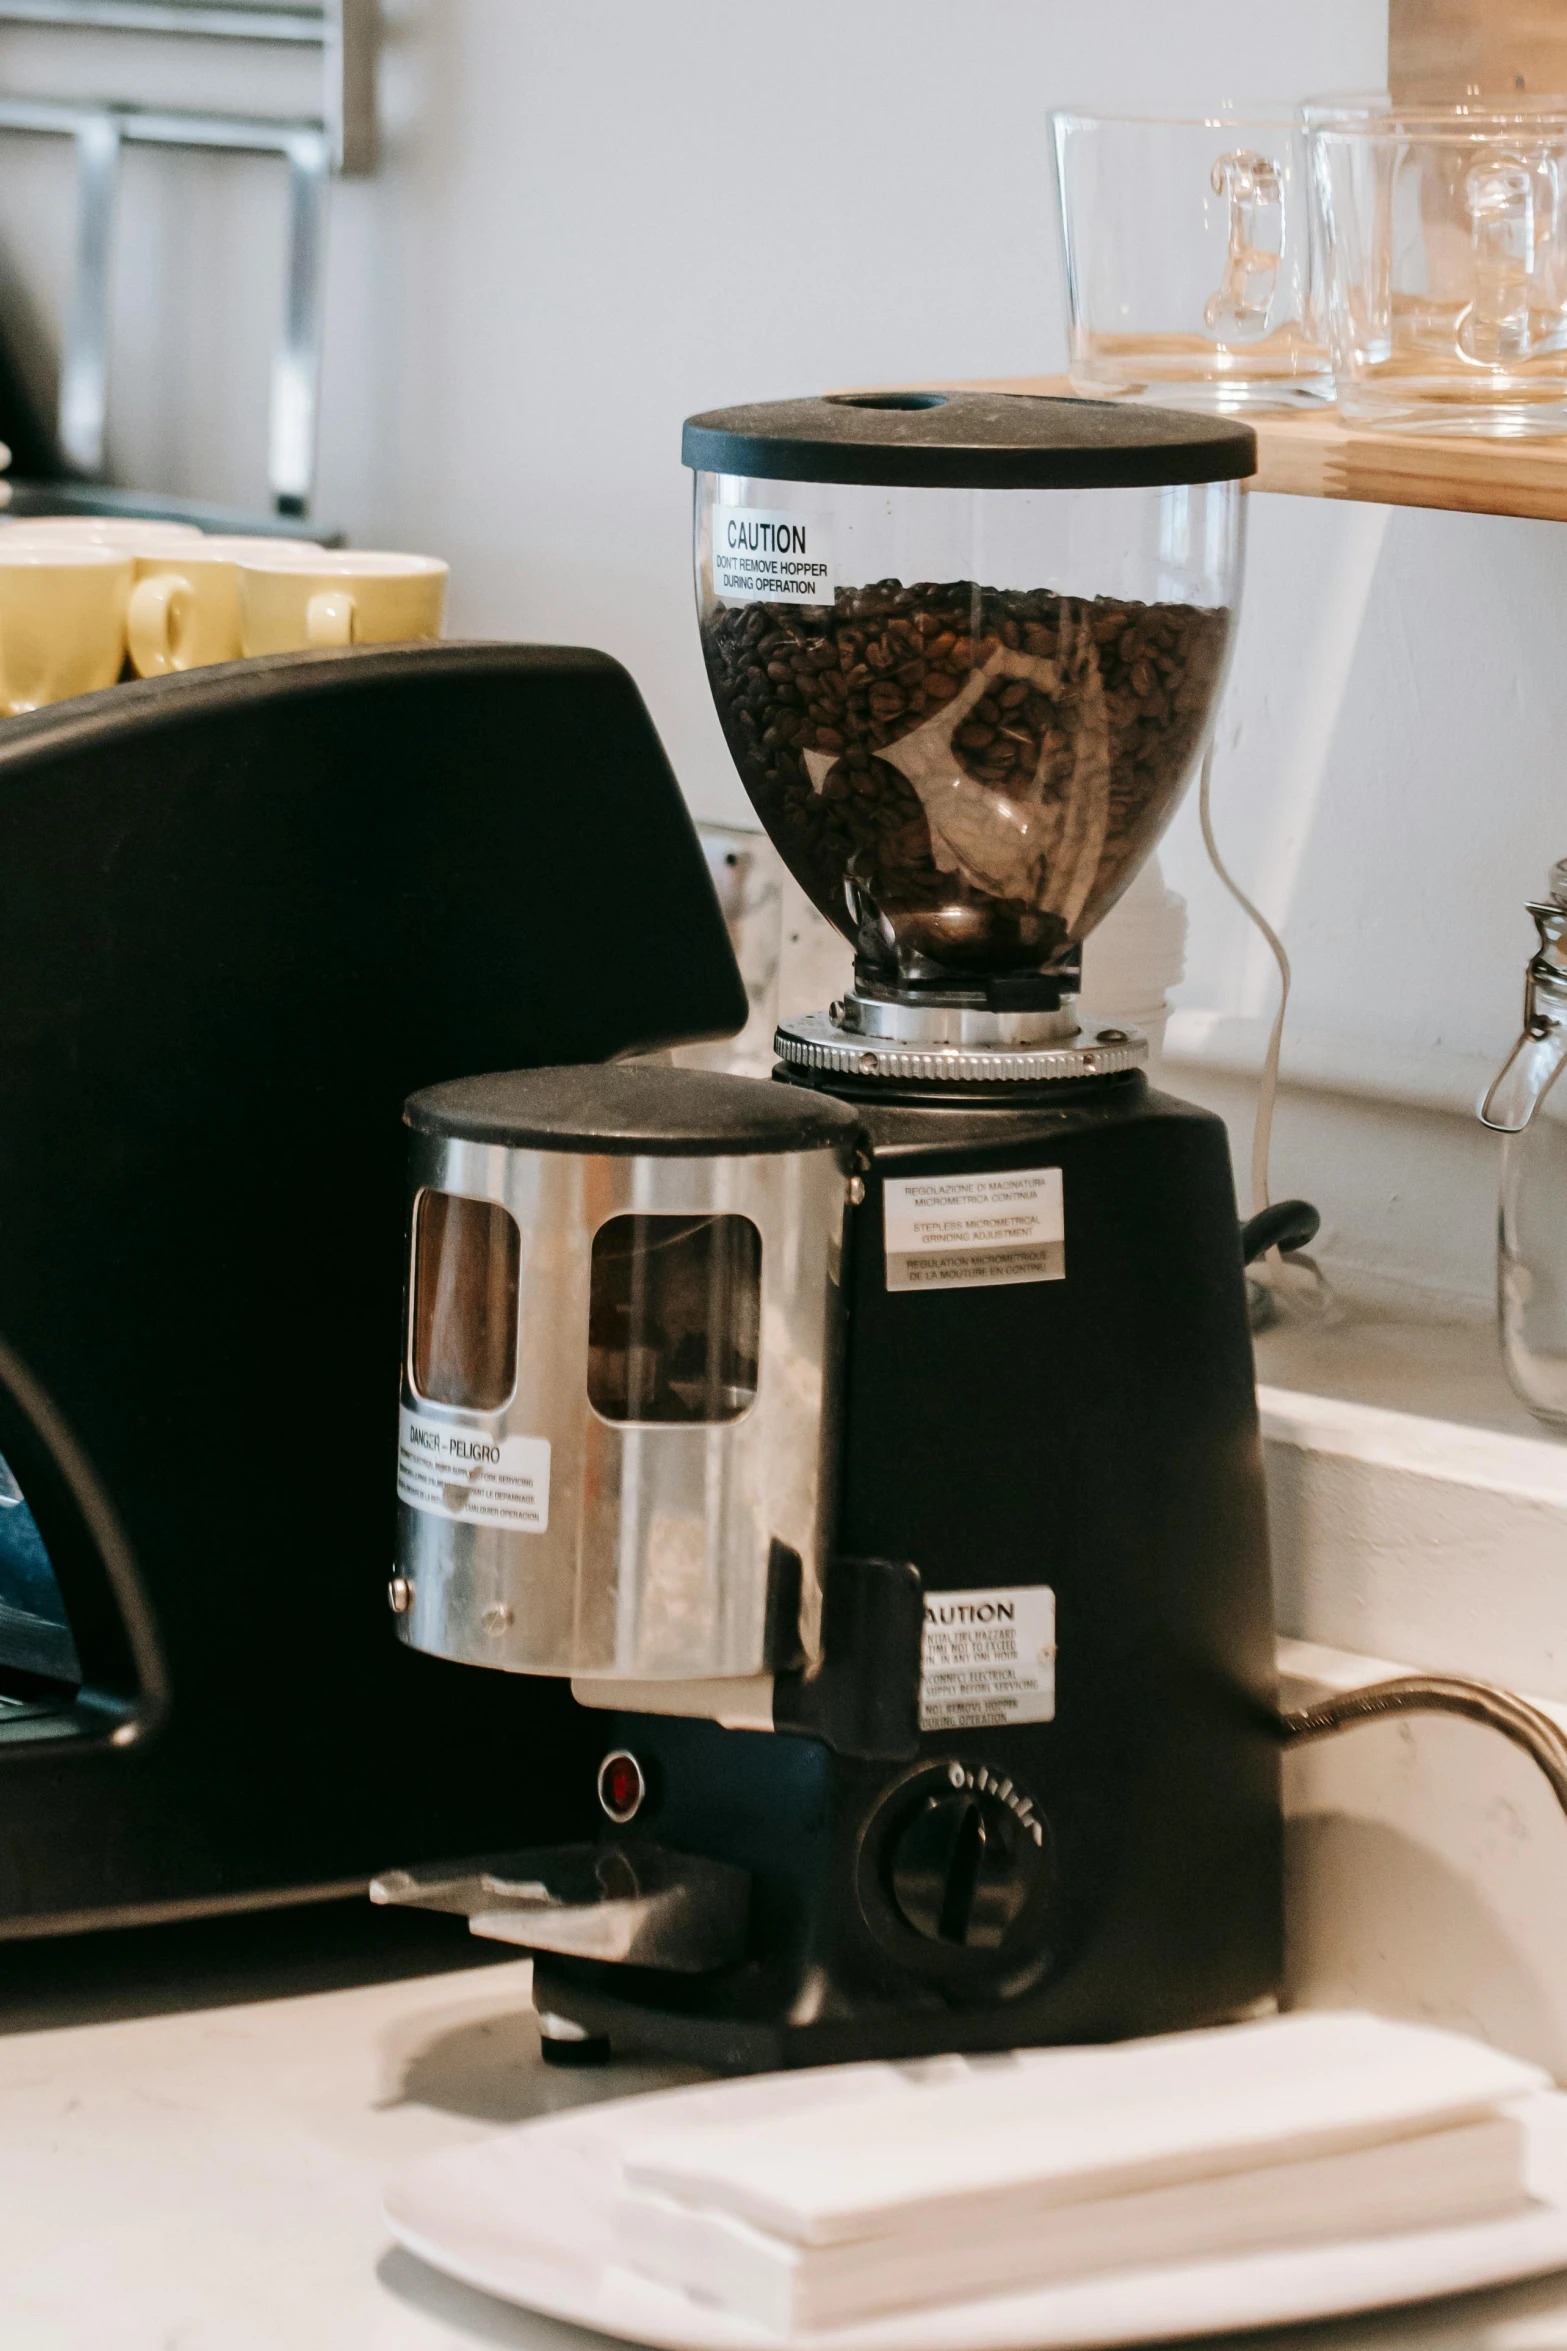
pixel 1287 1224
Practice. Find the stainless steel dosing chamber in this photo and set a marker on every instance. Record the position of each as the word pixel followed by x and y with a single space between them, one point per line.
pixel 618 1360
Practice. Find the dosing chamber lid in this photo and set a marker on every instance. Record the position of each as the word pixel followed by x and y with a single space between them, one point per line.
pixel 968 441
pixel 621 1109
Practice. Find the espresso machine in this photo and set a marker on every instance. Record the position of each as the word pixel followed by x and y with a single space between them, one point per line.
pixel 237 905
pixel 874 1450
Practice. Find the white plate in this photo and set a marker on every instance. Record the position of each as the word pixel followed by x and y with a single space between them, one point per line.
pixel 524 2216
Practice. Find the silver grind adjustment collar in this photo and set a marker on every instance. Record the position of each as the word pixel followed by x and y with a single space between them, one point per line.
pixel 957 1044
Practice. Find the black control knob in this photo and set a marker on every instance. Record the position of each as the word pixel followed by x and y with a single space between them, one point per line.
pixel 964 1864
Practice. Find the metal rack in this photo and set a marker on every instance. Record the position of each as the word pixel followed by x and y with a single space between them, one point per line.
pixel 341 138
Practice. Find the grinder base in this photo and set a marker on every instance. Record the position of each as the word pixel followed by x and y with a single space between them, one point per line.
pixel 1078 1437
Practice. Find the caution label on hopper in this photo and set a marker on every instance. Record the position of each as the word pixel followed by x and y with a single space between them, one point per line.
pixel 473 1479
pixel 988 1658
pixel 969 1232
pixel 771 558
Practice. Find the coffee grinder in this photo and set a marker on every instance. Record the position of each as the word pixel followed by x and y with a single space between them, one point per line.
pixel 876 1449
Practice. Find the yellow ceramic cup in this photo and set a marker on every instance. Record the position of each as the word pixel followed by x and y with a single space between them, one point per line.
pixel 128 534
pixel 343 596
pixel 62 621
pixel 184 609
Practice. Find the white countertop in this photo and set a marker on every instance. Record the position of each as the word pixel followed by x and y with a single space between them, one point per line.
pixel 208 2178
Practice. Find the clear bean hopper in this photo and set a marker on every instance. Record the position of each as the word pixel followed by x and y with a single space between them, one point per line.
pixel 965 648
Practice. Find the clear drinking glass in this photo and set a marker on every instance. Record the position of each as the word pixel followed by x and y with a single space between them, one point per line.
pixel 1443 241
pixel 1189 265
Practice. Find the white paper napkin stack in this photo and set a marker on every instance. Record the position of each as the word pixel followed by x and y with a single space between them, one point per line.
pixel 811 2201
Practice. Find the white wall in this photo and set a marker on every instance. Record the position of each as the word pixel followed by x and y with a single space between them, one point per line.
pixel 1389 783
pixel 594 218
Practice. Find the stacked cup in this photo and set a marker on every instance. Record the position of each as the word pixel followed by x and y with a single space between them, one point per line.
pixel 77 593
pixel 1407 258
pixel 65 585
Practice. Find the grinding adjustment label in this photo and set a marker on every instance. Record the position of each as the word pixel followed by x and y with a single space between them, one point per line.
pixel 970 1232
pixel 473 1479
pixel 988 1658
pixel 761 557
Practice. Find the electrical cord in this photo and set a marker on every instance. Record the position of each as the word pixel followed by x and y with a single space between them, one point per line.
pixel 1542 1740
pixel 1275 1261
pixel 1268 1083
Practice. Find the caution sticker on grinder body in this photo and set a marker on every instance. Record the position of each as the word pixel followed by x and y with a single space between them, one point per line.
pixel 763 557
pixel 988 1658
pixel 970 1232
pixel 472 1479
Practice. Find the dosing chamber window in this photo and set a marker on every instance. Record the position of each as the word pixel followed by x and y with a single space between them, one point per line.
pixel 467 1261
pixel 675 1318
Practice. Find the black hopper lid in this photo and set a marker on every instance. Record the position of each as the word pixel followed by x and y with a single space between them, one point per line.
pixel 969 441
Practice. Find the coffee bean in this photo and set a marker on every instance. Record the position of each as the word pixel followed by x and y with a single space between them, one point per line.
pixel 1113 711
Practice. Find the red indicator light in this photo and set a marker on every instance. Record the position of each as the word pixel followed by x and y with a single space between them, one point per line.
pixel 622 1786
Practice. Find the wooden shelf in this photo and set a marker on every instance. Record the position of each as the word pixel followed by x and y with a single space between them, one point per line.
pixel 1316 456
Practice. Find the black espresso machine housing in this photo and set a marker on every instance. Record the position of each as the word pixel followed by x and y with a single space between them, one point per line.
pixel 243 912
pixel 953 1727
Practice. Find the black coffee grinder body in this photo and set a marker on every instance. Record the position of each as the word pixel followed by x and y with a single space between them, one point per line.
pixel 1073 1467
